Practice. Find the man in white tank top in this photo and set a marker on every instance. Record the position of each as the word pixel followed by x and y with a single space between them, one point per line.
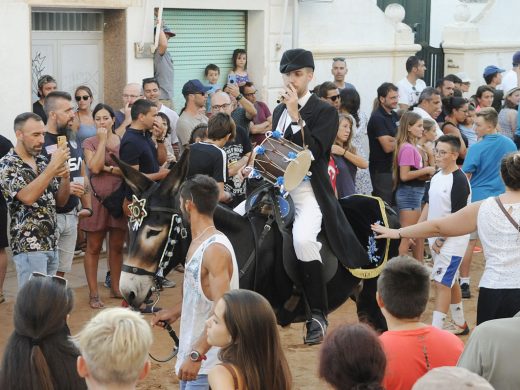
pixel 210 271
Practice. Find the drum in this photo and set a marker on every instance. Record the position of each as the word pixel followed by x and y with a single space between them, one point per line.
pixel 282 162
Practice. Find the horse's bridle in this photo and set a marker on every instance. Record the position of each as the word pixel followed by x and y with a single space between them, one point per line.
pixel 138 212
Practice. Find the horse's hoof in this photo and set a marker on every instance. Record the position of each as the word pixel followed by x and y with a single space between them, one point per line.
pixel 316 328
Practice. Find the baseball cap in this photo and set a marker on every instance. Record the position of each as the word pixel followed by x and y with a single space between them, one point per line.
pixel 194 86
pixel 492 69
pixel 168 31
pixel 464 77
pixel 516 58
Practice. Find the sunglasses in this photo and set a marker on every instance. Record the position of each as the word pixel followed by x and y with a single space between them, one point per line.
pixel 57 279
pixel 84 97
pixel 338 59
pixel 333 98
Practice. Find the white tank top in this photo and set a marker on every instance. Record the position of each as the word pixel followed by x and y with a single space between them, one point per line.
pixel 196 307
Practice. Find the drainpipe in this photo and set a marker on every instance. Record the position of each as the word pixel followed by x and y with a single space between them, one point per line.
pixel 295 24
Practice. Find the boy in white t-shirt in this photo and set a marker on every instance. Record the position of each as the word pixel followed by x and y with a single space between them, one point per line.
pixel 449 192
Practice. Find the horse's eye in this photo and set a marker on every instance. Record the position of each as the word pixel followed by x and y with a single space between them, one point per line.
pixel 152 233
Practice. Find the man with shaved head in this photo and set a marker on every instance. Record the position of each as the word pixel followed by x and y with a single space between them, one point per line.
pixel 131 92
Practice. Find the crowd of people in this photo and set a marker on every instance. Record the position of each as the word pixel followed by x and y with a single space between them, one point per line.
pixel 446 163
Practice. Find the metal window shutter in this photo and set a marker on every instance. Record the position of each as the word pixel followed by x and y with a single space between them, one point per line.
pixel 203 37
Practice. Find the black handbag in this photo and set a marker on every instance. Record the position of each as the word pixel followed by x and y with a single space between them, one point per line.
pixel 113 202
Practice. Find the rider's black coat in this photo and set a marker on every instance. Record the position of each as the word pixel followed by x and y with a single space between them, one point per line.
pixel 321 127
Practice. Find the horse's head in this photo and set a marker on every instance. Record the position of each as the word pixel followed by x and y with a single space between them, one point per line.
pixel 155 230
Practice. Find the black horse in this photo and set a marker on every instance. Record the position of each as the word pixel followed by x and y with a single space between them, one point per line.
pixel 262 242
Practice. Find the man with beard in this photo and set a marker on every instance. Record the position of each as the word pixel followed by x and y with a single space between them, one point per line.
pixel 430 107
pixel 211 271
pixel 46 84
pixel 412 85
pixel 60 113
pixel 30 186
pixel 306 120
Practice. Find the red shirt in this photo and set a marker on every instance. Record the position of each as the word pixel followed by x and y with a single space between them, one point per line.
pixel 412 353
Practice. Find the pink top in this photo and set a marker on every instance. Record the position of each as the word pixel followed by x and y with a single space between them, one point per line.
pixel 409 156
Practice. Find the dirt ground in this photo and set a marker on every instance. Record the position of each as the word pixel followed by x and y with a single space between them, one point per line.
pixel 303 360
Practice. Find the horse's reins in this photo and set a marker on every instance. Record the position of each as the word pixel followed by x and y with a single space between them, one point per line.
pixel 166 256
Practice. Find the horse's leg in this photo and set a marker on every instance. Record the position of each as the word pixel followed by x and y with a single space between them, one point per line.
pixel 368 310
pixel 340 287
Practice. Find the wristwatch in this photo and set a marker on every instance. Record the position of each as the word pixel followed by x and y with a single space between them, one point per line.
pixel 239 97
pixel 196 356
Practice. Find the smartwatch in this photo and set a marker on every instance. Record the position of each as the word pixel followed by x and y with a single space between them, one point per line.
pixel 196 356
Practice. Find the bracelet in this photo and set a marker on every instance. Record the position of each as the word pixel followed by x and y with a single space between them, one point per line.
pixel 89 209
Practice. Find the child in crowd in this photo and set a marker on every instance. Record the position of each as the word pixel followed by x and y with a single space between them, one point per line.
pixel 346 158
pixel 448 193
pixel 199 133
pixel 212 74
pixel 114 349
pixel 409 175
pixel 239 70
pixel 352 357
pixel 425 143
pixel 412 348
pixel 467 128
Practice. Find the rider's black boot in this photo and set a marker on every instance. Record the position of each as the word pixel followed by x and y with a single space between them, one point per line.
pixel 316 295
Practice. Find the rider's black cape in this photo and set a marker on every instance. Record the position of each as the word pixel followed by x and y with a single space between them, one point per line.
pixel 321 127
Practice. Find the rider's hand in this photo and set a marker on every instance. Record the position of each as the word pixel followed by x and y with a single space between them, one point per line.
pixel 189 370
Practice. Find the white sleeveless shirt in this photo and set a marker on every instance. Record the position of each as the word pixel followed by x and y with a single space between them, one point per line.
pixel 196 307
pixel 501 245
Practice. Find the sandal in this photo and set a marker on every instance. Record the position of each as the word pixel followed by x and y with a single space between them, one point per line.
pixel 95 302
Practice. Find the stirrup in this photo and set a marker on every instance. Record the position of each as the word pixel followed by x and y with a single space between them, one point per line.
pixel 323 328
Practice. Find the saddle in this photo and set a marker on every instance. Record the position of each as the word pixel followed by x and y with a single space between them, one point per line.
pixel 266 200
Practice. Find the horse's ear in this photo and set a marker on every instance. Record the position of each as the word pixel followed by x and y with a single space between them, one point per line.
pixel 174 179
pixel 135 179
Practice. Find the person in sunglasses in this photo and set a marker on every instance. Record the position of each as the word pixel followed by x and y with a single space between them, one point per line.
pixel 330 93
pixel 39 354
pixel 87 128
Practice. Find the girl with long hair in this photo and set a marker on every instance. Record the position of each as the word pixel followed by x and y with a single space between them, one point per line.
pixel 507 117
pixel 39 354
pixel 346 158
pixel 409 175
pixel 456 109
pixel 105 179
pixel 244 326
pixel 352 357
pixel 350 104
pixel 239 66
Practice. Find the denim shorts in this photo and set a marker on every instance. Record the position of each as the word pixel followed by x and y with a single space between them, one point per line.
pixel 409 197
pixel 26 263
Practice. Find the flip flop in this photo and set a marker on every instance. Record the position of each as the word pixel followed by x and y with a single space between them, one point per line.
pixel 95 302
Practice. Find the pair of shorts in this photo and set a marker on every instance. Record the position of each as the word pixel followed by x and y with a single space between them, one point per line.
pixel 408 198
pixel 445 268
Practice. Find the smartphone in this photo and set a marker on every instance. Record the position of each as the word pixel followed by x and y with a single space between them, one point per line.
pixel 232 79
pixel 62 140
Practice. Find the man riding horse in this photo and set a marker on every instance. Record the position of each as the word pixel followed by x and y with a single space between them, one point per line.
pixel 309 122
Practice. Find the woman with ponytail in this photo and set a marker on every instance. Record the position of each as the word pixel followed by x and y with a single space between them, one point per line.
pixel 456 109
pixel 39 354
pixel 352 358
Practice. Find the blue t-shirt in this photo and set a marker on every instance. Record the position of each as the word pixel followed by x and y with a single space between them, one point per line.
pixel 483 162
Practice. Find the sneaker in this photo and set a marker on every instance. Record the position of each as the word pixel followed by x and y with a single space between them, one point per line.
pixel 165 283
pixel 455 329
pixel 108 281
pixel 466 293
pixel 78 252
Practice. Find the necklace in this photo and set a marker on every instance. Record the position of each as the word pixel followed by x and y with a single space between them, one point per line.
pixel 204 231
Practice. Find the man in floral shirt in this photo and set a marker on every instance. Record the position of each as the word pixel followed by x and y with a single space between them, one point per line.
pixel 30 186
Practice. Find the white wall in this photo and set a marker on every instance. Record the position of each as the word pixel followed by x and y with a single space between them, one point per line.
pixel 15 62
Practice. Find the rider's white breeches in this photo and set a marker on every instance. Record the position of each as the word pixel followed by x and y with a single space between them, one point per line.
pixel 307 223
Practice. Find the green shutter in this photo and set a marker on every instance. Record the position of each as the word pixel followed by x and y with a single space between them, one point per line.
pixel 203 37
